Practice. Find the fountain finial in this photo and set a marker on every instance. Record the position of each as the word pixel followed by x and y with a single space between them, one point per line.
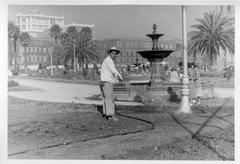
pixel 154 28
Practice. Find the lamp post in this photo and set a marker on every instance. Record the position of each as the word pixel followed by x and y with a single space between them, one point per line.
pixel 74 55
pixel 184 106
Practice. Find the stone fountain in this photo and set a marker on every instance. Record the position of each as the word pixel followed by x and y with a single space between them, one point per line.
pixel 157 84
pixel 155 56
pixel 157 87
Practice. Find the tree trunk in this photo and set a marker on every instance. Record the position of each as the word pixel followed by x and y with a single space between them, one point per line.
pixel 56 52
pixel 86 65
pixel 10 53
pixel 72 64
pixel 225 60
pixel 25 57
pixel 15 51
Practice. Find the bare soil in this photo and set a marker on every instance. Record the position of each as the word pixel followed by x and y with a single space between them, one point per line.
pixel 41 130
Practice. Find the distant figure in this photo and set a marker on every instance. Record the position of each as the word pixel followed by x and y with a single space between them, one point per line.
pixel 174 78
pixel 180 69
pixel 128 68
pixel 143 69
pixel 228 72
pixel 191 84
pixel 40 68
pixel 109 75
pixel 197 83
pixel 173 97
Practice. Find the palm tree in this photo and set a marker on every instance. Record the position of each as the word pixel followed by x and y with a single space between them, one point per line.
pixel 13 33
pixel 68 41
pixel 85 46
pixel 214 32
pixel 25 41
pixel 55 33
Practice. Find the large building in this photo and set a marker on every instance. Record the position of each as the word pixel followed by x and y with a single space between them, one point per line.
pixel 38 51
pixel 78 26
pixel 36 22
pixel 129 48
pixel 37 25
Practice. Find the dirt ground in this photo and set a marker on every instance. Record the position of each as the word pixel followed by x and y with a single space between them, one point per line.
pixel 41 130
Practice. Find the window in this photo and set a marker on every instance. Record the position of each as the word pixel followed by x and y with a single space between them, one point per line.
pixel 23 27
pixel 23 20
pixel 34 27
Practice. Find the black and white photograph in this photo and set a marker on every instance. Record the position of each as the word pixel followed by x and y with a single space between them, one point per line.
pixel 119 81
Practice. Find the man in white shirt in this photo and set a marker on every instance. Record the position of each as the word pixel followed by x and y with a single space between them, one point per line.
pixel 109 76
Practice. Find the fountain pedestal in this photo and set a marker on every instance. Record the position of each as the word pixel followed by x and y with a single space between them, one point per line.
pixel 156 71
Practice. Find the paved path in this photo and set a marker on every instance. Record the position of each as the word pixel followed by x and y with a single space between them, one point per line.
pixel 59 92
pixel 68 92
pixel 224 92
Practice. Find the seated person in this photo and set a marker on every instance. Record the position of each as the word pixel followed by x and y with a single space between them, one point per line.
pixel 173 96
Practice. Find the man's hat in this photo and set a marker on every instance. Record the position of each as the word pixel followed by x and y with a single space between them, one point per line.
pixel 113 49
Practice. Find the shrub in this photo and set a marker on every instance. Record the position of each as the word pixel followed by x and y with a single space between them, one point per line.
pixel 212 74
pixel 85 72
pixel 137 98
pixel 12 83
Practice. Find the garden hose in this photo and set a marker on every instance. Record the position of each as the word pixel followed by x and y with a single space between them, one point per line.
pixel 92 138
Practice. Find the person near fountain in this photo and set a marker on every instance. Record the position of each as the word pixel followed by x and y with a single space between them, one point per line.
pixel 191 84
pixel 174 77
pixel 109 76
pixel 180 69
pixel 197 82
pixel 173 97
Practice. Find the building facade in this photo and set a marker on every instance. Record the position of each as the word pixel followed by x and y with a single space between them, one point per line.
pixel 36 22
pixel 129 48
pixel 39 50
pixel 78 26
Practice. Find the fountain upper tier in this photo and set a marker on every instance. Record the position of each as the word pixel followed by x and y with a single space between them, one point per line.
pixel 154 36
pixel 156 52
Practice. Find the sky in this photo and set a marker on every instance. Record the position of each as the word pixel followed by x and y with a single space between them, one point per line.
pixel 124 21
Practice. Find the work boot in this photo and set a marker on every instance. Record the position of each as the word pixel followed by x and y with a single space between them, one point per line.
pixel 113 118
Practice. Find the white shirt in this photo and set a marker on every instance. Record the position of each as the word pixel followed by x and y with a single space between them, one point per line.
pixel 109 71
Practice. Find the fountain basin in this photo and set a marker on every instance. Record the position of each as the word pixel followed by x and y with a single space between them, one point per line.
pixel 155 54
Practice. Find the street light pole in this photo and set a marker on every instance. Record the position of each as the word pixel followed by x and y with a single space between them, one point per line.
pixel 51 63
pixel 184 106
pixel 74 56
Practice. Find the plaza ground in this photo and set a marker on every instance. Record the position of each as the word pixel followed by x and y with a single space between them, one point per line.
pixel 55 130
pixel 41 130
